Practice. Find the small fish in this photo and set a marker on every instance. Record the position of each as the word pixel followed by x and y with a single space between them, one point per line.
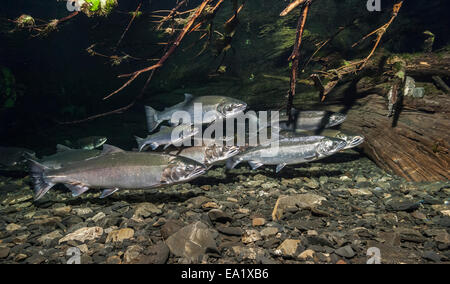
pixel 208 154
pixel 213 108
pixel 88 143
pixel 92 142
pixel 351 140
pixel 14 156
pixel 311 120
pixel 66 155
pixel 164 136
pixel 116 169
pixel 290 151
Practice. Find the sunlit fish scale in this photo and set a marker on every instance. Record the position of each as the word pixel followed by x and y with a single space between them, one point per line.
pixel 311 120
pixel 290 151
pixel 116 169
pixel 14 156
pixel 66 155
pixel 166 136
pixel 213 108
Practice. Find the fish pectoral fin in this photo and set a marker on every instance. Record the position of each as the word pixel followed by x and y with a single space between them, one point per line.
pixel 280 167
pixel 77 189
pixel 255 164
pixel 154 145
pixel 109 149
pixel 311 157
pixel 62 148
pixel 108 192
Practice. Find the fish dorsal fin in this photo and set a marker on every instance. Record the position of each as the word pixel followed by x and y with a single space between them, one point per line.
pixel 109 149
pixel 62 148
pixel 188 97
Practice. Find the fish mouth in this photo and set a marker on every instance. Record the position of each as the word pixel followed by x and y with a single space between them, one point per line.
pixel 355 141
pixel 336 119
pixel 232 152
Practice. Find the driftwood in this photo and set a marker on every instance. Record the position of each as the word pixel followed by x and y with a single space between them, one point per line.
pixel 415 143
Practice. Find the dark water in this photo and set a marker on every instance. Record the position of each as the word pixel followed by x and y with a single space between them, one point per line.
pixel 58 81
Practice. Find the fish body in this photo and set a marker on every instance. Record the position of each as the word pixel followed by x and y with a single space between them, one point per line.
pixel 352 140
pixel 164 136
pixel 209 154
pixel 14 156
pixel 213 108
pixel 311 120
pixel 66 155
pixel 116 169
pixel 290 151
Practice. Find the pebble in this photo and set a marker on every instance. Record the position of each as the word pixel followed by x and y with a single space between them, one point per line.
pixel 306 254
pixel 256 222
pixel 251 236
pixel 345 251
pixel 300 201
pixel 83 234
pixel 12 227
pixel 217 215
pixel 192 241
pixel 269 232
pixel 288 248
pixel 4 252
pixel 230 231
pixel 120 235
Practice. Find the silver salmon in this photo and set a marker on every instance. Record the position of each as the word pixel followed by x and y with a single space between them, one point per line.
pixel 116 169
pixel 290 151
pixel 213 108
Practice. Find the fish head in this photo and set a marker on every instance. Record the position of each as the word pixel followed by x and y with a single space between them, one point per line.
pixel 336 119
pixel 181 169
pixel 355 141
pixel 99 141
pixel 92 142
pixel 215 153
pixel 230 108
pixel 328 146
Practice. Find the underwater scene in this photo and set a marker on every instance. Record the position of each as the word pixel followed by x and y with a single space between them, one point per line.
pixel 224 132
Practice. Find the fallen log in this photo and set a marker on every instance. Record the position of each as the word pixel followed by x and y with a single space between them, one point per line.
pixel 417 148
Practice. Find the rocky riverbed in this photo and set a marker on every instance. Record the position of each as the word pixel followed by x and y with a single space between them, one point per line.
pixel 332 211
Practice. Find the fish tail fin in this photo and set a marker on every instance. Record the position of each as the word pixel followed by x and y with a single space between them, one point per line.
pixel 40 181
pixel 141 143
pixel 152 118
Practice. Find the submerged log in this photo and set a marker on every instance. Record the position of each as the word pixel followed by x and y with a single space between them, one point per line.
pixel 413 143
pixel 417 148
